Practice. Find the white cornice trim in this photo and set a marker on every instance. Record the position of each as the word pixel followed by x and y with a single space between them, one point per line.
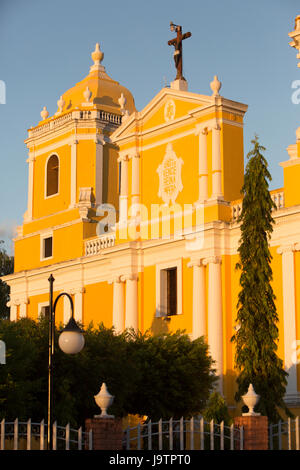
pixel 68 141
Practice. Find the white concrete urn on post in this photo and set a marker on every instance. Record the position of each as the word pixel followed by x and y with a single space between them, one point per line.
pixel 251 399
pixel 104 400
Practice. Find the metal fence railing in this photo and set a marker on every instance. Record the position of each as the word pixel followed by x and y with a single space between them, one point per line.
pixel 15 435
pixel 183 434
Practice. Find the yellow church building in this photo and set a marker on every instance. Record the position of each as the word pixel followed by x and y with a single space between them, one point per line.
pixel 135 215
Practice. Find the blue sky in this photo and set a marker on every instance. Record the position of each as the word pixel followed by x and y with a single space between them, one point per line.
pixel 45 49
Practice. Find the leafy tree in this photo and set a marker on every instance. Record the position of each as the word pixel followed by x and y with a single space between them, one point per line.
pixel 257 337
pixel 162 376
pixel 6 267
pixel 217 409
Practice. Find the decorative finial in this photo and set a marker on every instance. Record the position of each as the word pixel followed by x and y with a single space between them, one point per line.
pixel 215 85
pixel 251 399
pixel 97 57
pixel 295 35
pixel 44 113
pixel 87 94
pixel 60 103
pixel 104 400
pixel 122 102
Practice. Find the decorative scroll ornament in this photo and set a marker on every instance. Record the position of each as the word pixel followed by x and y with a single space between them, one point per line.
pixel 169 172
pixel 169 111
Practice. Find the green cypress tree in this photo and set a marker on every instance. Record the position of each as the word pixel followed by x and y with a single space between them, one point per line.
pixel 256 338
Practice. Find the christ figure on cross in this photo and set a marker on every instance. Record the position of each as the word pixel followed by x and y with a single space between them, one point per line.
pixel 177 43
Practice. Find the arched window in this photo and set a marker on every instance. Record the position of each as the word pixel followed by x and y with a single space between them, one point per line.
pixel 52 175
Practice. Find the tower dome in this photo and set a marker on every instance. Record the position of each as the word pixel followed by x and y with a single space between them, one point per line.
pixel 97 91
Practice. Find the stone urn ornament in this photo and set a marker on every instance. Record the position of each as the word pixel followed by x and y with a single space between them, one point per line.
pixel 251 399
pixel 104 400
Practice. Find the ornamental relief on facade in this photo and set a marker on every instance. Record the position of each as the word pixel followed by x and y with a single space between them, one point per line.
pixel 169 172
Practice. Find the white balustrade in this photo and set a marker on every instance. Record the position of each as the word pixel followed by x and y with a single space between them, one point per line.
pixel 94 246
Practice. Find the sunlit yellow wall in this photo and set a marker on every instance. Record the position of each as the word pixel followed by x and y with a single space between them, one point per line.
pixel 97 304
pixel 67 244
pixel 86 164
pixel 33 307
pixel 297 302
pixel 232 161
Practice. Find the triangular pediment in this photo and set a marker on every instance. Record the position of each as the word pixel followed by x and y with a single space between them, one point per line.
pixel 167 107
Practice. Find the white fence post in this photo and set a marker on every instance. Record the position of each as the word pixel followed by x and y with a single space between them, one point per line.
pixel 79 438
pixel 232 437
pixel 2 443
pixel 54 436
pixel 160 440
pixel 16 433
pixel 29 434
pixel 68 436
pixel 202 434
pixel 222 436
pixel 212 435
pixel 181 433
pixel 289 434
pixel 42 435
pixel 171 434
pixel 192 433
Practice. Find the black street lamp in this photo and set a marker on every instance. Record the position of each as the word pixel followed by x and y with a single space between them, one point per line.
pixel 71 341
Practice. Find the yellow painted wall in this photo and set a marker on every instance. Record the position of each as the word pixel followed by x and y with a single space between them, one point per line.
pixel 97 304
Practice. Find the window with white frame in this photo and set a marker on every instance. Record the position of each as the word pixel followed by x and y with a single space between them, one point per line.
pixel 46 246
pixel 169 289
pixel 52 176
pixel 44 310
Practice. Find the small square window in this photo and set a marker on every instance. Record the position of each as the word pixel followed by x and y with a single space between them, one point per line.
pixel 45 311
pixel 46 246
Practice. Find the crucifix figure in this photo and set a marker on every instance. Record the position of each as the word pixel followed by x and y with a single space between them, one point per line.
pixel 177 43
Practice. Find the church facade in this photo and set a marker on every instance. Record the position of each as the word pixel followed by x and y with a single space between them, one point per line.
pixel 135 215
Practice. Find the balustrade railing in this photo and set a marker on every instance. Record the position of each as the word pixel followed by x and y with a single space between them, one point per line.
pixel 277 197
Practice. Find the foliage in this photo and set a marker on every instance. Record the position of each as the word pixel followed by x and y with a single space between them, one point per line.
pixel 256 339
pixel 161 376
pixel 6 267
pixel 217 410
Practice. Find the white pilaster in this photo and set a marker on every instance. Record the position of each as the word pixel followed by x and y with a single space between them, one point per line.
pixel 118 305
pixel 215 317
pixel 216 163
pixel 123 205
pixel 67 309
pixel 289 315
pixel 78 305
pixel 13 314
pixel 203 175
pixel 99 171
pixel 73 194
pixel 23 309
pixel 131 313
pixel 135 183
pixel 199 298
pixel 30 162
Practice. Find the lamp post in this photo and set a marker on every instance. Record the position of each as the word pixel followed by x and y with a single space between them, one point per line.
pixel 71 341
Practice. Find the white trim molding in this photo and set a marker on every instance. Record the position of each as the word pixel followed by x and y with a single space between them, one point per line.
pixel 160 308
